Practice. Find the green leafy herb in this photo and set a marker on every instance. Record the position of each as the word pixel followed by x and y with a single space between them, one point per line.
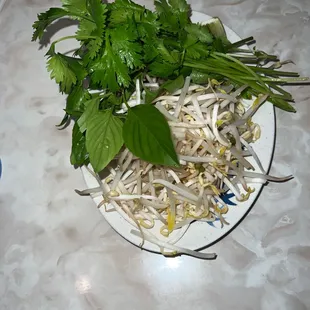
pixel 147 134
pixel 79 154
pixel 97 10
pixel 76 7
pixel 103 138
pixel 45 19
pixel 109 71
pixel 122 42
pixel 61 72
pixel 64 121
pixel 200 33
pixel 91 109
pixel 122 10
pixel 76 100
pixel 173 15
pixel 172 85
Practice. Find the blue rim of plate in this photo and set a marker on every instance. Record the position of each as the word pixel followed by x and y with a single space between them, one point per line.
pixel 0 168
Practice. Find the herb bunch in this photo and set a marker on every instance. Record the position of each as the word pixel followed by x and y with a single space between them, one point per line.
pixel 123 42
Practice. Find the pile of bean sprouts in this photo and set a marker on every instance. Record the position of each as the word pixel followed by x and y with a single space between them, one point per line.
pixel 212 132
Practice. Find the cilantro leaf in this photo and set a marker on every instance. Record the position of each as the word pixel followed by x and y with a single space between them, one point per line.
pixel 124 44
pixel 93 48
pixel 164 53
pixel 76 99
pixel 86 28
pixel 180 5
pixel 103 138
pixel 173 6
pixel 173 15
pixel 93 21
pixel 150 52
pixel 61 72
pixel 197 51
pixel 76 66
pixel 147 135
pixel 109 70
pixel 76 7
pixel 110 101
pixel 97 11
pixel 126 5
pixel 65 70
pixel 200 32
pixel 193 47
pixel 94 25
pixel 162 6
pixel 79 155
pixel 166 63
pixel 122 10
pixel 163 69
pixel 148 28
pixel 169 22
pixel 192 52
pixel 129 15
pixel 147 25
pixel 44 20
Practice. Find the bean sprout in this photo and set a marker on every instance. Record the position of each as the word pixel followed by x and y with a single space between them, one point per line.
pixel 212 132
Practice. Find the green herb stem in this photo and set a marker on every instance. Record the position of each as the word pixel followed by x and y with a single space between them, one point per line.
pixel 241 43
pixel 74 37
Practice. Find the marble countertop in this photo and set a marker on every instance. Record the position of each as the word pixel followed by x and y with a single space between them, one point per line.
pixel 56 250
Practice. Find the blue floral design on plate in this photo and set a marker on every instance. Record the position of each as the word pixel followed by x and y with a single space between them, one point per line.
pixel 212 223
pixel 226 198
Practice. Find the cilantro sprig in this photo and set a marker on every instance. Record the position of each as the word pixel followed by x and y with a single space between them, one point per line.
pixel 122 42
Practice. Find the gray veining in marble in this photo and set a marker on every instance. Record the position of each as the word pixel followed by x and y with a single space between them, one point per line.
pixel 57 252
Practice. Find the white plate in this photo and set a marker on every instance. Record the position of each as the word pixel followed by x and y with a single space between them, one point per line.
pixel 201 234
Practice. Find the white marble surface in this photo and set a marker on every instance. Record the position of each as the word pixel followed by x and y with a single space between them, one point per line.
pixel 57 252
